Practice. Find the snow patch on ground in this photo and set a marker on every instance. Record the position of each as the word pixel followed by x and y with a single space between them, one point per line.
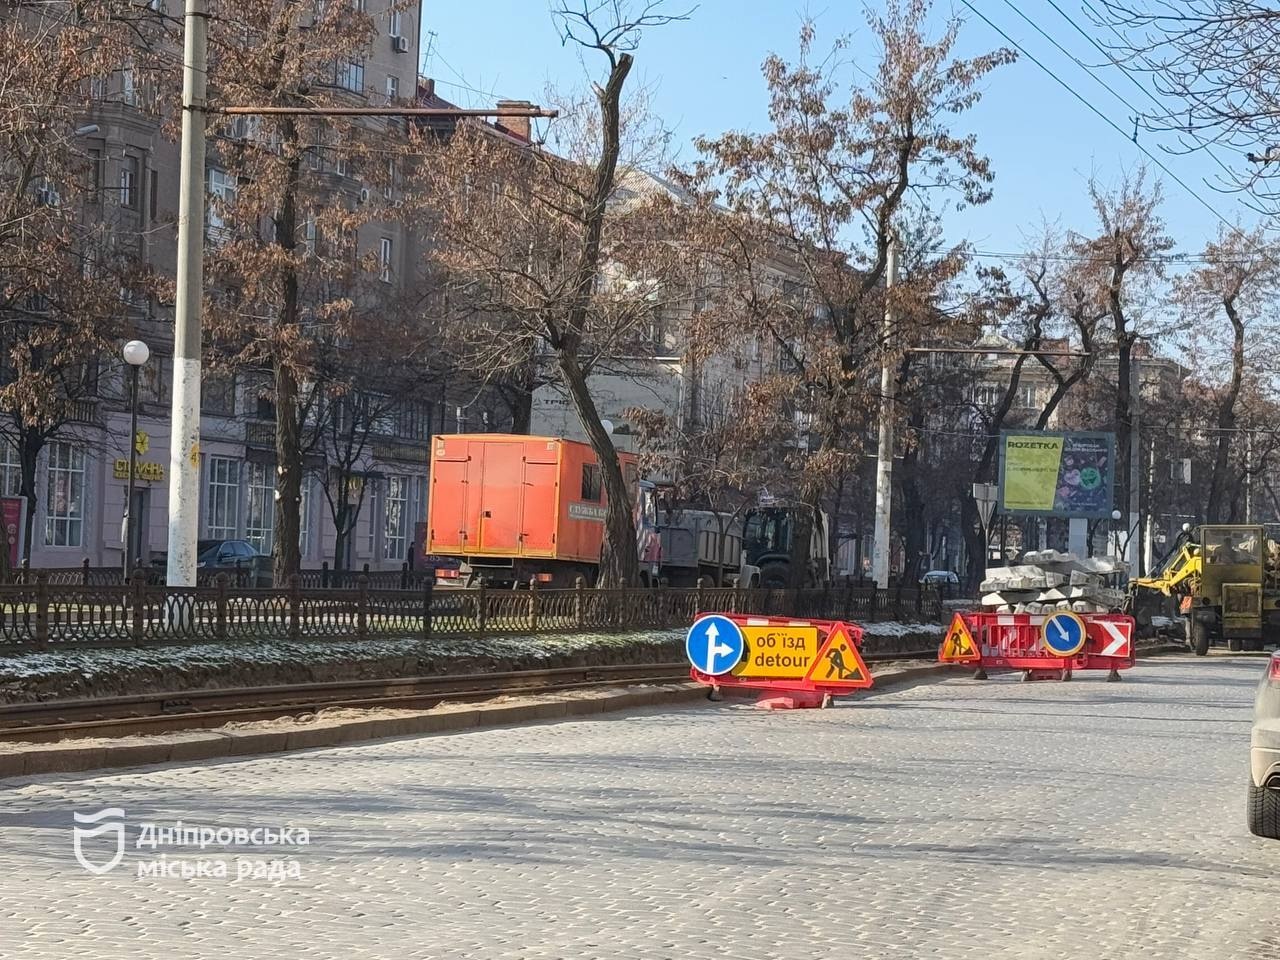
pixel 893 628
pixel 111 661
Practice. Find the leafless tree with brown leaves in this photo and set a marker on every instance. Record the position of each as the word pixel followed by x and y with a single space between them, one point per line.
pixel 551 261
pixel 70 277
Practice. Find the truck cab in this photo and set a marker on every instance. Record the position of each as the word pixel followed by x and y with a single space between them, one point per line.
pixel 768 532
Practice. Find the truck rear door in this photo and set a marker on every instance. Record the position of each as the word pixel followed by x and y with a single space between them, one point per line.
pixel 496 493
pixel 541 482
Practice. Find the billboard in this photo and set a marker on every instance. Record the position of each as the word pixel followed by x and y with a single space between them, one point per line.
pixel 1056 474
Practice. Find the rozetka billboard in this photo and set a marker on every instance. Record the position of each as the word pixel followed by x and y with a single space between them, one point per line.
pixel 1056 474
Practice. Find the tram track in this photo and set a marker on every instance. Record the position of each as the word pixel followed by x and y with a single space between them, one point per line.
pixel 49 721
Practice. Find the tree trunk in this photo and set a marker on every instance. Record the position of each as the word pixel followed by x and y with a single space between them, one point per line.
pixel 619 555
pixel 343 523
pixel 974 542
pixel 1218 494
pixel 288 558
pixel 28 455
pixel 801 540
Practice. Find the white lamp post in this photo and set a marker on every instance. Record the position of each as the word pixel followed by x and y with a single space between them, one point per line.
pixel 136 353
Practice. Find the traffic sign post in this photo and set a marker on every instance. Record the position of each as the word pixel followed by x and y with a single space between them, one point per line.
pixel 806 661
pixel 714 645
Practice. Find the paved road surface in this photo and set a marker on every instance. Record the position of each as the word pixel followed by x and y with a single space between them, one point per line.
pixel 995 820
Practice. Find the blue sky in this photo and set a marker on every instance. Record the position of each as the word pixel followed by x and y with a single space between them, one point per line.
pixel 1043 143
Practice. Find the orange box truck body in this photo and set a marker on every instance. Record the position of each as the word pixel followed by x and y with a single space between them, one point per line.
pixel 513 508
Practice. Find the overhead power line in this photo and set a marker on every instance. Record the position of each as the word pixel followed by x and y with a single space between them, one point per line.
pixel 1160 105
pixel 1104 118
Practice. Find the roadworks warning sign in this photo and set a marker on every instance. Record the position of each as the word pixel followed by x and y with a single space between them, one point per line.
pixel 839 664
pixel 958 646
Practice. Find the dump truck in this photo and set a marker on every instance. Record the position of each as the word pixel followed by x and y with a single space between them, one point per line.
pixel 1223 578
pixel 681 545
pixel 514 509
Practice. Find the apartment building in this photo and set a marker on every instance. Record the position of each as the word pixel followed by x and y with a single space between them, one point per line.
pixel 82 472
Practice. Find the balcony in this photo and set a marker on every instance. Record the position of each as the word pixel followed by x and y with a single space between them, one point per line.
pixel 259 435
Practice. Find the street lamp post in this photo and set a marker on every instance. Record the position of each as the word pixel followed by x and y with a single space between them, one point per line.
pixel 136 354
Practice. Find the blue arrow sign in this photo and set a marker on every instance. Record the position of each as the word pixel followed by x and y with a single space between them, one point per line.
pixel 714 644
pixel 1064 634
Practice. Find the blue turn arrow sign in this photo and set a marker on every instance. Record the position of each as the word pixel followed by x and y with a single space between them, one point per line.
pixel 714 644
pixel 1064 634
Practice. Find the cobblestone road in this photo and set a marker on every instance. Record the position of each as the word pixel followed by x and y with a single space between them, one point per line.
pixel 994 820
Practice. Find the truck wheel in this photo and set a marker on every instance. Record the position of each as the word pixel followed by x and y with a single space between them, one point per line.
pixel 775 577
pixel 1264 812
pixel 1199 637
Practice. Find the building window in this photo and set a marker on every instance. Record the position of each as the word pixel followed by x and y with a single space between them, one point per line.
pixel 592 482
pixel 395 514
pixel 129 183
pixel 153 194
pixel 64 506
pixel 358 5
pixel 372 508
pixel 1030 396
pixel 10 470
pixel 393 88
pixel 259 524
pixel 987 394
pixel 95 176
pixel 309 234
pixel 384 260
pixel 218 395
pixel 389 188
pixel 222 188
pixel 350 75
pixel 222 519
pixel 395 25
pixel 128 92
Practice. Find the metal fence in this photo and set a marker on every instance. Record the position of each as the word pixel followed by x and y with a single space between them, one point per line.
pixel 45 614
pixel 249 575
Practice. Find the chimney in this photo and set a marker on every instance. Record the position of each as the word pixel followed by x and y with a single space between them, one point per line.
pixel 521 127
pixel 427 88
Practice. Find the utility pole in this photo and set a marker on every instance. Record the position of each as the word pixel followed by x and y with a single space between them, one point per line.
pixel 1133 551
pixel 184 440
pixel 884 461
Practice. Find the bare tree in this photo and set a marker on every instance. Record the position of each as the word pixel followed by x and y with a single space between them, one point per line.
pixel 286 261
pixel 830 182
pixel 1216 63
pixel 551 261
pixel 1239 280
pixel 71 280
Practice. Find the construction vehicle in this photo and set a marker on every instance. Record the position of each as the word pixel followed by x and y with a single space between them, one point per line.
pixel 767 545
pixel 1224 579
pixel 514 509
pixel 680 545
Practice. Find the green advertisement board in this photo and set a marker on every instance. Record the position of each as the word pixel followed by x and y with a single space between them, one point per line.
pixel 1056 474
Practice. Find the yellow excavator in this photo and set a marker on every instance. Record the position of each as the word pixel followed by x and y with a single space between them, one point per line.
pixel 1224 579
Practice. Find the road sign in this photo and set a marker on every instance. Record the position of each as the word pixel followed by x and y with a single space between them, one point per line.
pixel 714 644
pixel 839 664
pixel 1063 634
pixel 778 651
pixel 958 647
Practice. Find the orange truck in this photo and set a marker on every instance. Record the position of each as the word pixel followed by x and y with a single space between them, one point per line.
pixel 513 509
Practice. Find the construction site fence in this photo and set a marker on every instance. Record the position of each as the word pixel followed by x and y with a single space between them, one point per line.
pixel 44 614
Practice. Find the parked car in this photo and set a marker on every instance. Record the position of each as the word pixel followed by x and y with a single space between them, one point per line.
pixel 1264 755
pixel 219 555
pixel 941 577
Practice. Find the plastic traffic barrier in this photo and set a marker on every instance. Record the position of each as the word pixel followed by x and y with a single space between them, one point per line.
pixel 817 658
pixel 1043 646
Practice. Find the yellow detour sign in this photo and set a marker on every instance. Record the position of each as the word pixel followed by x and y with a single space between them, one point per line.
pixel 839 664
pixel 958 647
pixel 783 652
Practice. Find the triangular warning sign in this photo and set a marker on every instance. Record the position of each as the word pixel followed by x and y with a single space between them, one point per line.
pixel 958 647
pixel 839 664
